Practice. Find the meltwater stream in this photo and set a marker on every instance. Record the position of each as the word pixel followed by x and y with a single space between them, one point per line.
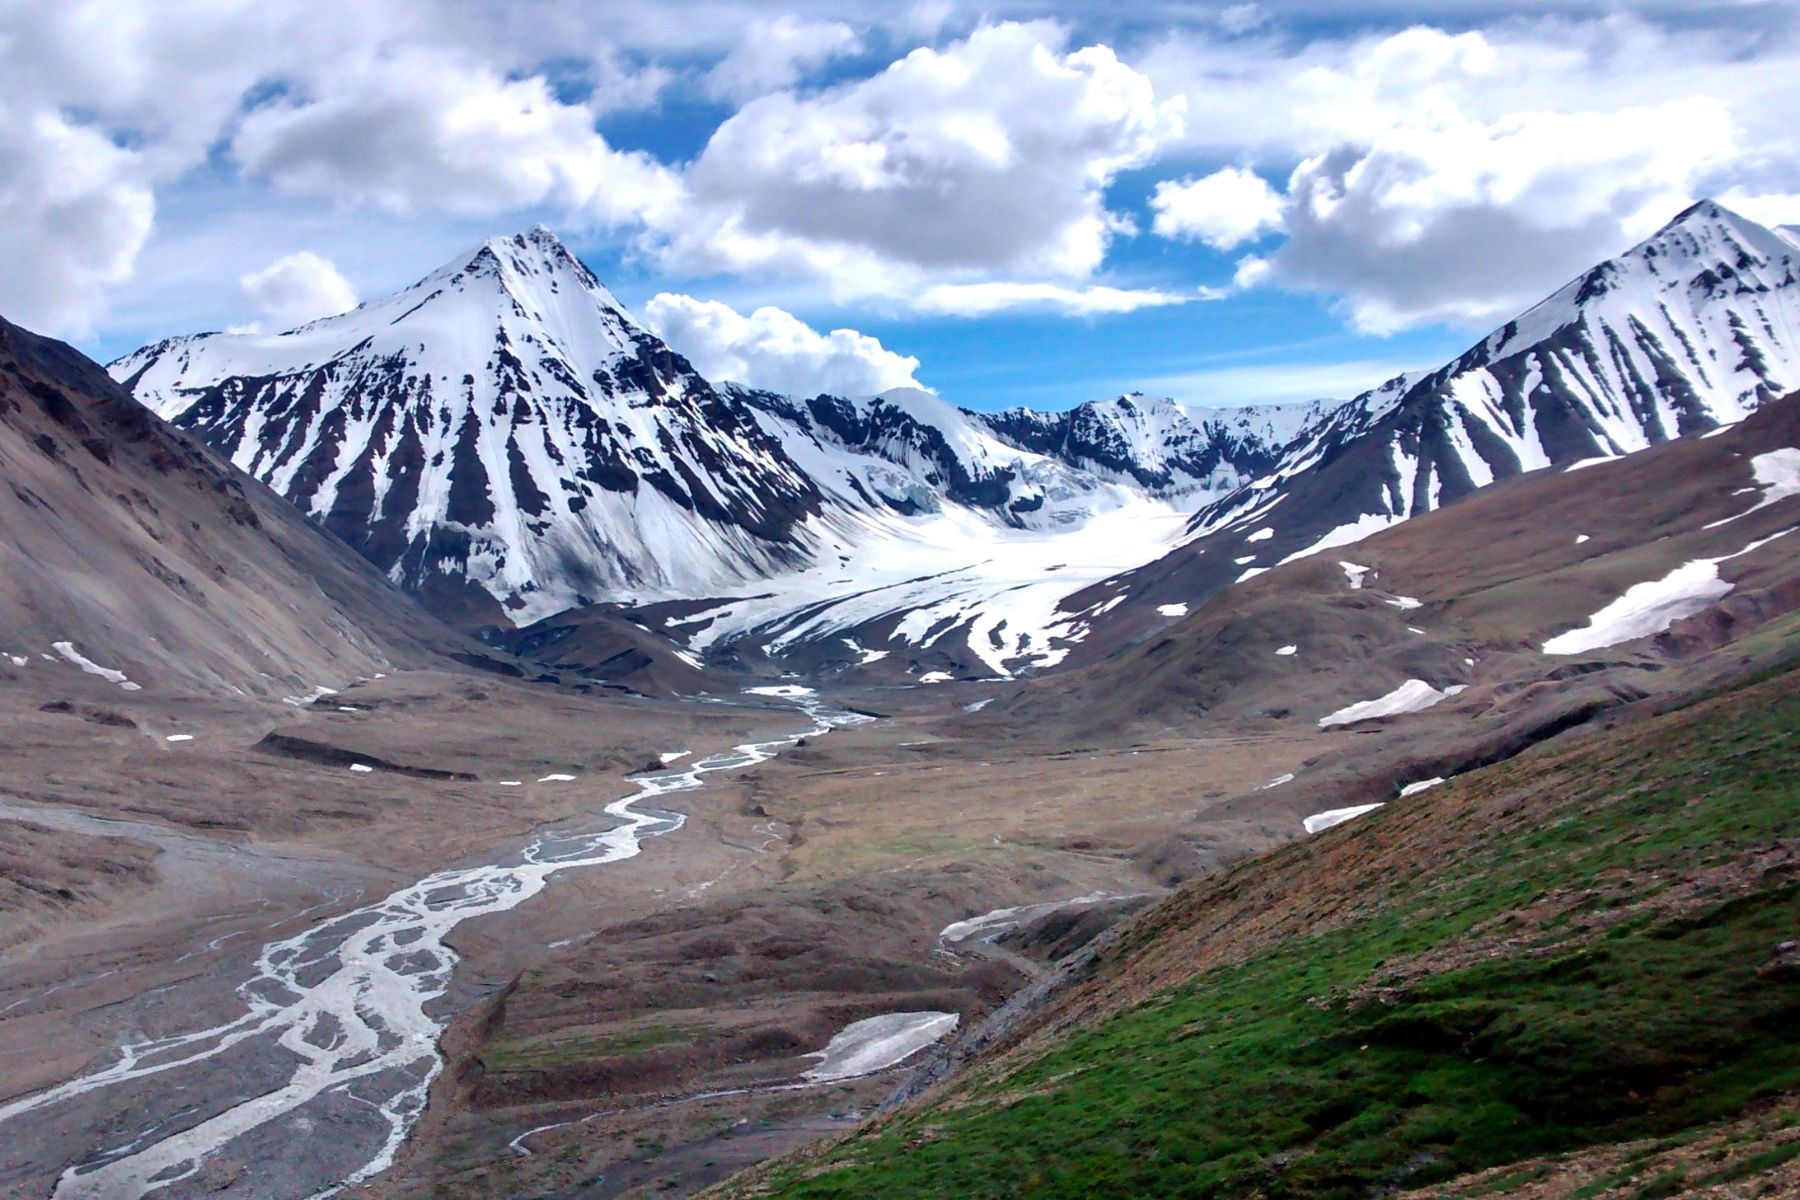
pixel 316 1085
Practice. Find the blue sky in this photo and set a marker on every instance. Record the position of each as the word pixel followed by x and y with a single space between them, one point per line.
pixel 1011 203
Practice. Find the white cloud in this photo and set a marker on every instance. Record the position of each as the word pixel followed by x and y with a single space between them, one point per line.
pixel 984 299
pixel 990 156
pixel 1765 208
pixel 295 289
pixel 74 212
pixel 773 349
pixel 1458 177
pixel 1471 222
pixel 1224 209
pixel 429 130
pixel 776 53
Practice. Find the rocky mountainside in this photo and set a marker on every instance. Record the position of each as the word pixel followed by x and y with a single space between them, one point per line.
pixel 1159 444
pixel 499 436
pixel 131 554
pixel 1569 974
pixel 1696 327
pixel 505 441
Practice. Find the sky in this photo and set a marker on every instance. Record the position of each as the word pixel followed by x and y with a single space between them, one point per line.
pixel 1010 203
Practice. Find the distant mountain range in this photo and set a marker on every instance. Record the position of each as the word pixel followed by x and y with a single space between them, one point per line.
pixel 507 443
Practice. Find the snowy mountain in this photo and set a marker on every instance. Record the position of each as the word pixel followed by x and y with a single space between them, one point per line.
pixel 500 435
pixel 505 441
pixel 1694 328
pixel 1159 444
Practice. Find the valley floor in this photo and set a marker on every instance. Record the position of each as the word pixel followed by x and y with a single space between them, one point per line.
pixel 647 1027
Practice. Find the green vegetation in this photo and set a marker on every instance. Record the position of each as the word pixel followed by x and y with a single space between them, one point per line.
pixel 1581 948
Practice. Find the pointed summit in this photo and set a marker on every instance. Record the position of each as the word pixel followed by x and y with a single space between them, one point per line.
pixel 501 437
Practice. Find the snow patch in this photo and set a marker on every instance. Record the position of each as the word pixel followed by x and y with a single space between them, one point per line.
pixel 1777 474
pixel 361 768
pixel 1651 607
pixel 1415 695
pixel 937 677
pixel 1286 651
pixel 1413 789
pixel 179 737
pixel 1346 535
pixel 68 651
pixel 1321 821
pixel 877 1043
pixel 1277 781
pixel 1404 602
pixel 1354 574
pixel 1261 535
pixel 1172 610
pixel 1585 463
pixel 557 778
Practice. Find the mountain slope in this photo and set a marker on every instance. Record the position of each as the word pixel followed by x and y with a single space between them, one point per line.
pixel 1697 326
pixel 499 436
pixel 1476 595
pixel 507 443
pixel 1579 948
pixel 129 551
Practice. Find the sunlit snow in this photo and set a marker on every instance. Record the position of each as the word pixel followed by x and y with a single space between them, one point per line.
pixel 1415 695
pixel 1651 607
pixel 68 651
pixel 1322 821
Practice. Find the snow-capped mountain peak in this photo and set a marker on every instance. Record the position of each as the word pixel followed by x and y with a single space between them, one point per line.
pixel 506 441
pixel 1695 327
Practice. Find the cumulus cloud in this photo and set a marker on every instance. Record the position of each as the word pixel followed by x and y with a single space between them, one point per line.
pixel 990 156
pixel 776 53
pixel 1224 209
pixel 773 349
pixel 74 212
pixel 1471 222
pixel 433 131
pixel 1766 208
pixel 1459 177
pixel 295 289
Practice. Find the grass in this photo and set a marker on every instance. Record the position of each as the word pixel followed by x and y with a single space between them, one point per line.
pixel 1602 1019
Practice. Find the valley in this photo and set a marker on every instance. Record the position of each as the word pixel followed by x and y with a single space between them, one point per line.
pixel 454 749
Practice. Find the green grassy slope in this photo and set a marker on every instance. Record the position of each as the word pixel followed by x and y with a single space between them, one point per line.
pixel 1575 948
